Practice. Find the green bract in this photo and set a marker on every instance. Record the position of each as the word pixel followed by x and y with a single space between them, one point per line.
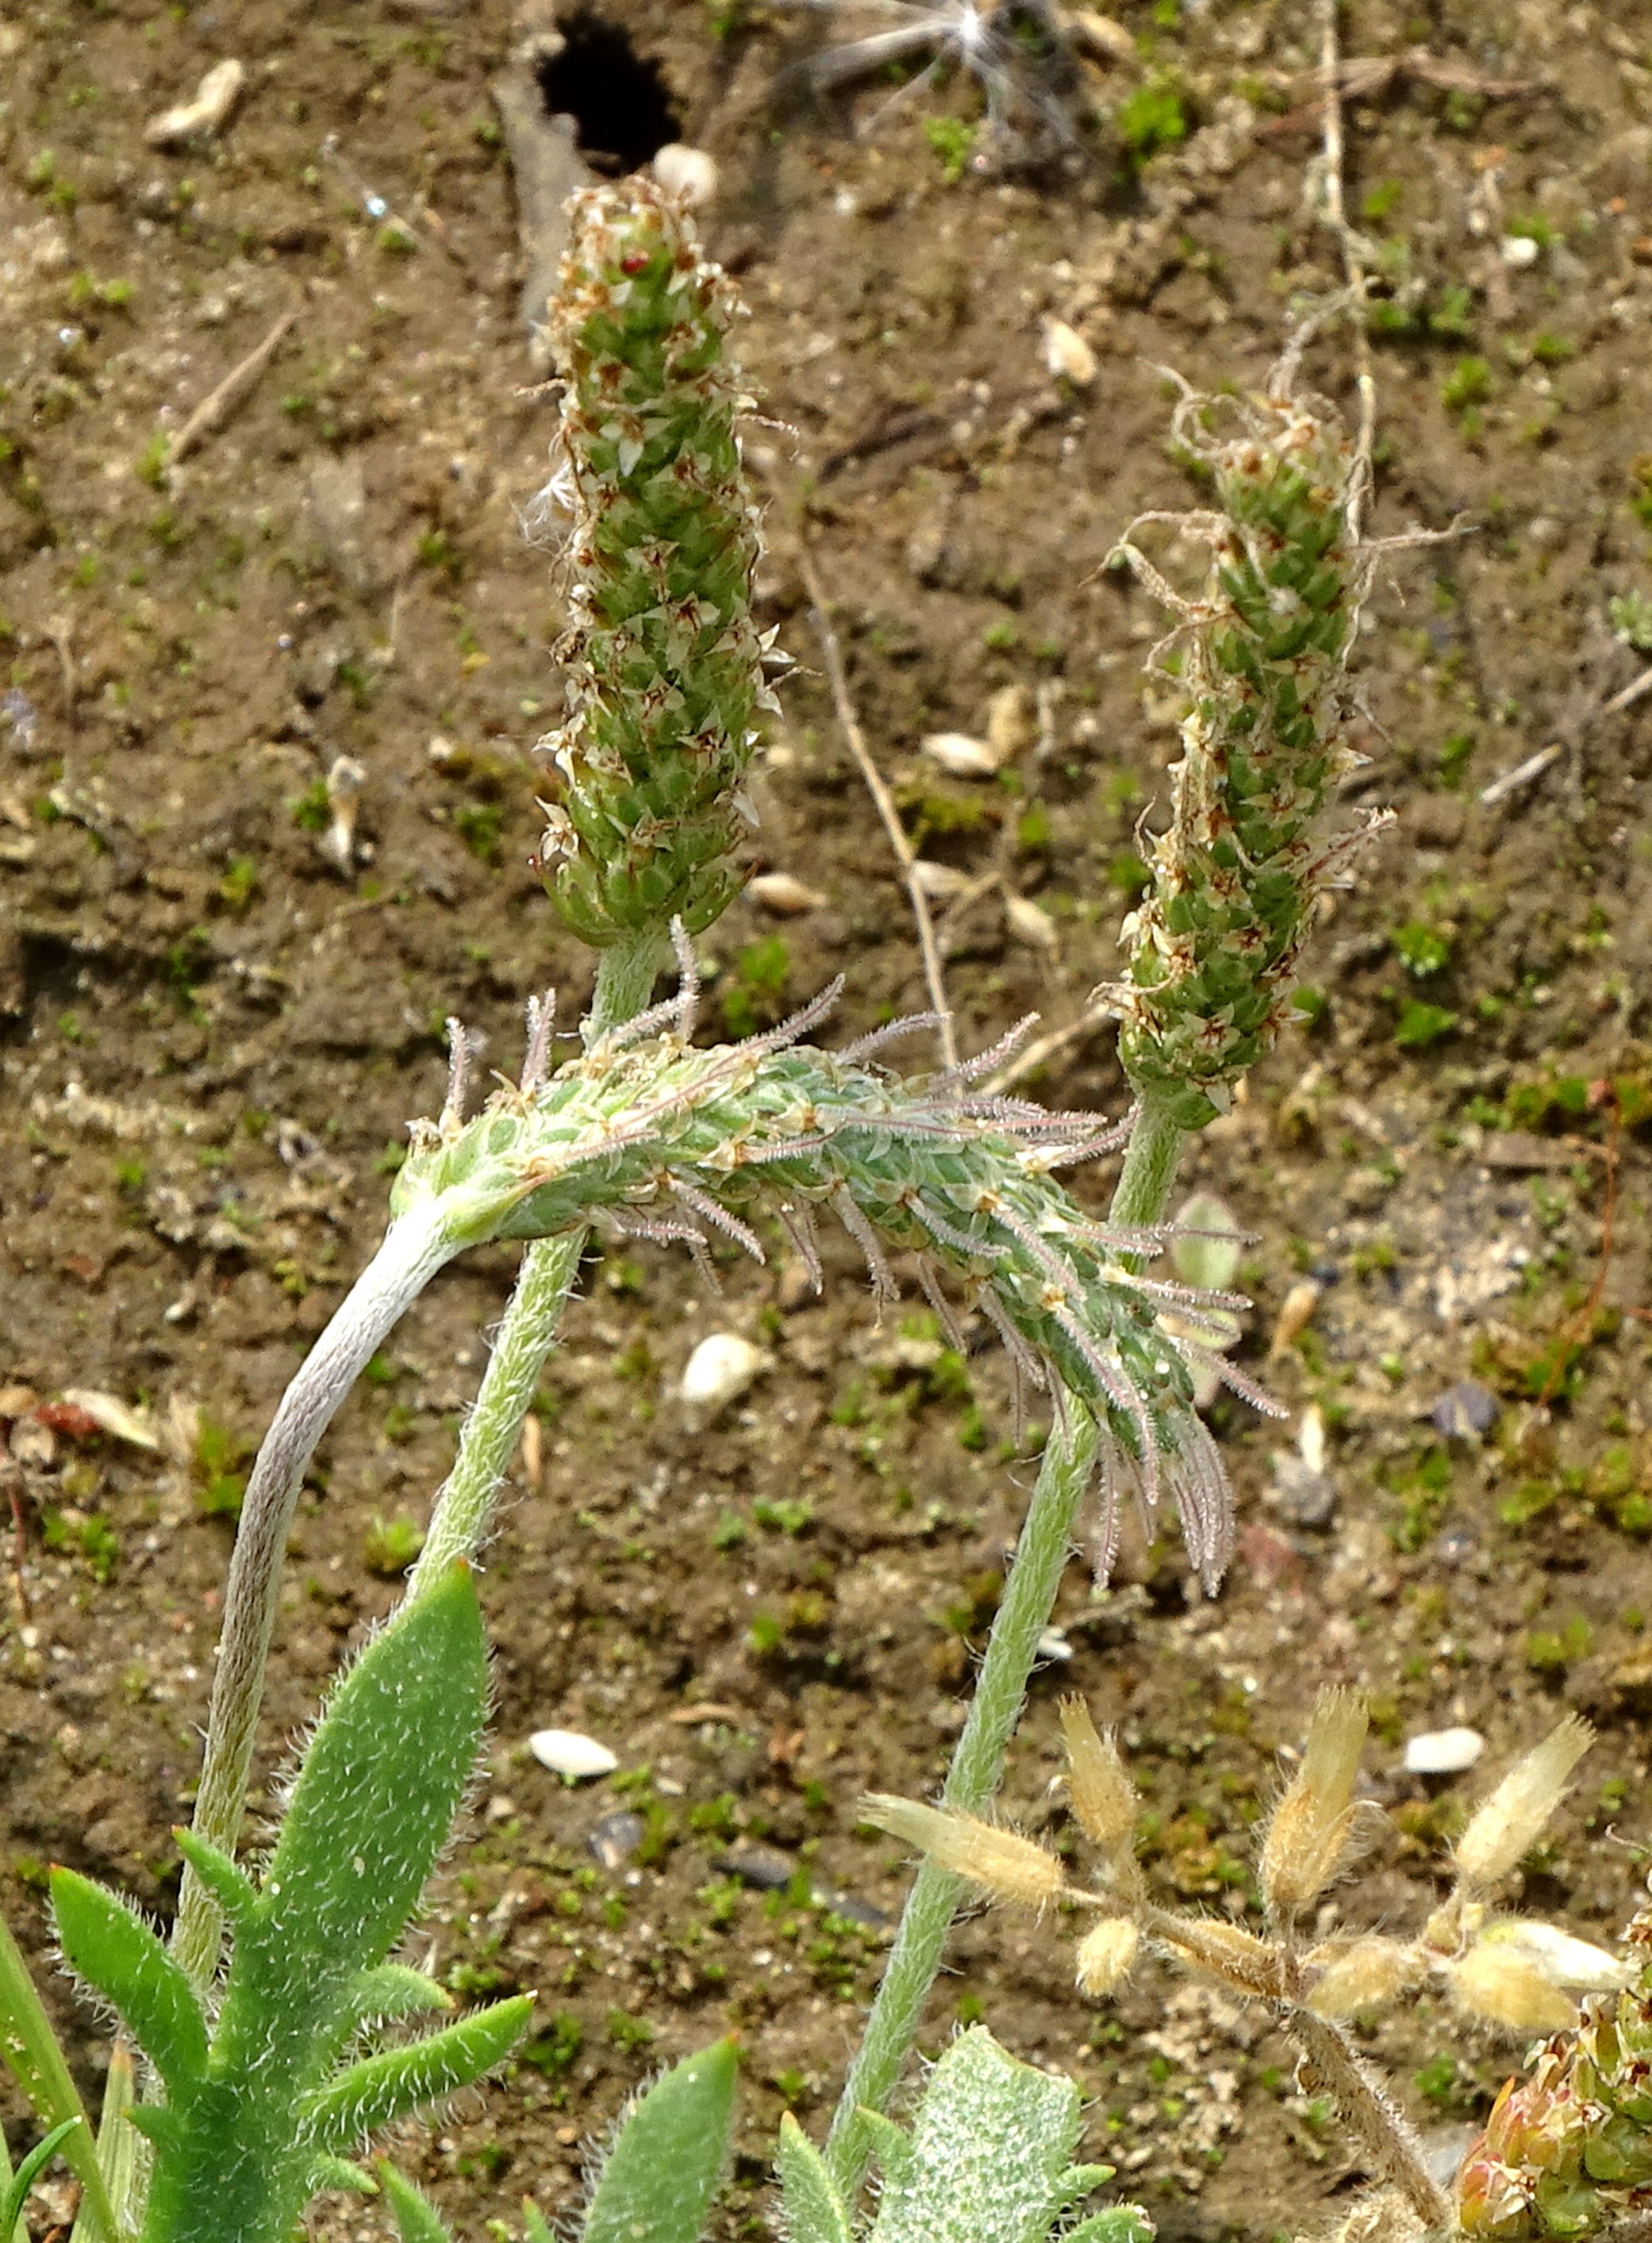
pixel 665 666
pixel 1214 946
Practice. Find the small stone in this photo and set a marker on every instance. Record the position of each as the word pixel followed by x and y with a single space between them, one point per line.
pixel 1031 924
pixel 215 97
pixel 1067 355
pixel 33 1443
pixel 1306 1497
pixel 1011 727
pixel 565 1752
pixel 1519 249
pixel 960 755
pixel 940 883
pixel 794 1288
pixel 783 894
pixel 718 1371
pixel 1464 1413
pixel 615 1839
pixel 764 1868
pixel 1443 1751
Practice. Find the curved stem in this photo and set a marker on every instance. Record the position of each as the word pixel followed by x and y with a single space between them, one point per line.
pixel 412 1251
pixel 1150 1159
pixel 1012 1649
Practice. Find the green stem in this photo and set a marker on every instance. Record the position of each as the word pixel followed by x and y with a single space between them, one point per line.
pixel 1151 1158
pixel 1028 1599
pixel 465 1507
pixel 1142 1195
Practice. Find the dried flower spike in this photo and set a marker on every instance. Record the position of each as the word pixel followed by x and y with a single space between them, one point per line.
pixel 1237 873
pixel 1312 1826
pixel 1105 1956
pixel 665 663
pixel 1506 1827
pixel 1012 1868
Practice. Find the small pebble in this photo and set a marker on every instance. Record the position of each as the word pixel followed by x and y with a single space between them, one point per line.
pixel 1443 1751
pixel 1464 1411
pixel 215 97
pixel 781 893
pixel 718 1371
pixel 615 1839
pixel 940 883
pixel 1296 1314
pixel 1029 923
pixel 764 1868
pixel 1066 354
pixel 1518 249
pixel 1306 1497
pixel 960 755
pixel 565 1752
pixel 1010 726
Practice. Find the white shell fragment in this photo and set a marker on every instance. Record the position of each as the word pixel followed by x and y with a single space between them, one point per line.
pixel 960 755
pixel 718 1371
pixel 1031 922
pixel 784 894
pixel 565 1752
pixel 1067 354
pixel 215 97
pixel 686 171
pixel 1443 1751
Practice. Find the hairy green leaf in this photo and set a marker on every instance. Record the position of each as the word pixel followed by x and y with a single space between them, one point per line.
pixel 394 1991
pixel 229 1885
pixel 417 2218
pixel 814 2211
pixel 385 2087
pixel 30 2050
pixel 120 1958
pixel 658 2181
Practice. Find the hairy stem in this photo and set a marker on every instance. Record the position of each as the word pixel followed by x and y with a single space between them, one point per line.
pixel 465 1507
pixel 1028 1599
pixel 1150 1159
pixel 1380 2131
pixel 412 1251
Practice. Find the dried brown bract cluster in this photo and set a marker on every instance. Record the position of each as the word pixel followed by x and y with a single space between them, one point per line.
pixel 1501 1970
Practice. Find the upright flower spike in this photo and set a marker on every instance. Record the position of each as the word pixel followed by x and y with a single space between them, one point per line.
pixel 1214 946
pixel 664 663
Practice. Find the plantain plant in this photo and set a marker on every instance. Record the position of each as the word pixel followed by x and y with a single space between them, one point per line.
pixel 277 2029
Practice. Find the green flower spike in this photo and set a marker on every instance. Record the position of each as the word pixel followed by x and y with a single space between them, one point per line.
pixel 665 666
pixel 1237 872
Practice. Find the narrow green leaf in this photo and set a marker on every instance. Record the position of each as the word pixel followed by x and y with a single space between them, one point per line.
pixel 229 1883
pixel 658 2181
pixel 417 2218
pixel 117 2144
pixel 394 1991
pixel 120 1958
pixel 380 1783
pixel 814 2209
pixel 340 2173
pixel 38 2157
pixel 890 2144
pixel 30 2050
pixel 536 2227
pixel 385 2087
pixel 1124 2223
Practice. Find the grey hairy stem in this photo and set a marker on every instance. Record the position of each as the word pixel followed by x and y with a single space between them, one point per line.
pixel 410 1253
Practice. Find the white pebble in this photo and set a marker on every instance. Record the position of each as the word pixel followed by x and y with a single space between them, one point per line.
pixel 686 171
pixel 565 1752
pixel 1066 352
pixel 1031 924
pixel 1519 249
pixel 1443 1751
pixel 962 755
pixel 215 97
pixel 719 1371
pixel 780 892
pixel 939 882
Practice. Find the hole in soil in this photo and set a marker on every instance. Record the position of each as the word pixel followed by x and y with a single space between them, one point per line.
pixel 618 99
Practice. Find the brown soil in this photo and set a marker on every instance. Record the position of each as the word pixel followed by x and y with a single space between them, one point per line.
pixel 210 1038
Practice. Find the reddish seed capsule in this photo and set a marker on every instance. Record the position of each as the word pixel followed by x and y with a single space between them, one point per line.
pixel 632 264
pixel 67 1419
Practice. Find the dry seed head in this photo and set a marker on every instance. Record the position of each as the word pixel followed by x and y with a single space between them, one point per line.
pixel 1360 1977
pixel 1506 1988
pixel 1577 1966
pixel 1239 1958
pixel 1104 1798
pixel 1105 1956
pixel 1010 1868
pixel 1312 1825
pixel 1509 1824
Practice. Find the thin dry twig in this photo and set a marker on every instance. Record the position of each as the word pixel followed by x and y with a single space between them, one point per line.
pixel 1630 694
pixel 884 802
pixel 215 406
pixel 1367 78
pixel 1353 272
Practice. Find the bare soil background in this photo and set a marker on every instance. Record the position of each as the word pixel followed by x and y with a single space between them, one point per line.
pixel 210 1036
